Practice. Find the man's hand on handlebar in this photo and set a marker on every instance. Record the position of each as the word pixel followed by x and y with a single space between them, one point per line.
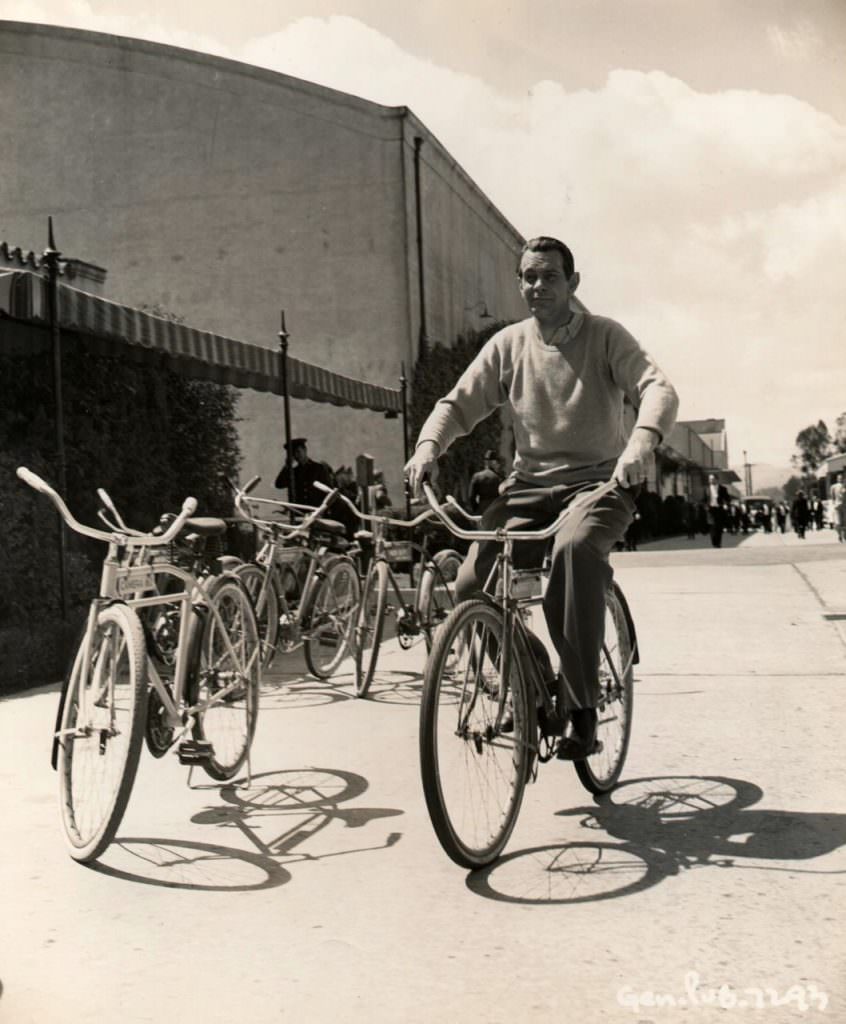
pixel 632 465
pixel 423 463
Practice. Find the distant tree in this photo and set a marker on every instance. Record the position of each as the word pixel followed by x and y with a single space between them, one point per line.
pixel 814 444
pixel 791 487
pixel 840 433
pixel 773 493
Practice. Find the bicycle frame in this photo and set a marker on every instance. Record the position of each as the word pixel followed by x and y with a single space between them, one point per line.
pixel 503 584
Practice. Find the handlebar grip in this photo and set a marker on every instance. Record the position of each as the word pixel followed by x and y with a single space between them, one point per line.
pixel 250 484
pixel 189 506
pixel 35 481
pixel 322 487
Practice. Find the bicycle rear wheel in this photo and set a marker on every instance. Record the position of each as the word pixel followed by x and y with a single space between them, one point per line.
pixel 261 585
pixel 228 677
pixel 474 768
pixel 436 592
pixel 368 630
pixel 101 731
pixel 599 772
pixel 331 617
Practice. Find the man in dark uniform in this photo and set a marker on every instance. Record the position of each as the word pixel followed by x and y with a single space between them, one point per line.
pixel 718 500
pixel 307 472
pixel 484 485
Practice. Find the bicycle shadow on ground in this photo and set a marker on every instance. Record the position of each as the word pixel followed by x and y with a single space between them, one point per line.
pixel 396 686
pixel 663 825
pixel 280 815
pixel 290 691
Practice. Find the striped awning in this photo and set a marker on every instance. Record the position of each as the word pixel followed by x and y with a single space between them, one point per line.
pixel 194 353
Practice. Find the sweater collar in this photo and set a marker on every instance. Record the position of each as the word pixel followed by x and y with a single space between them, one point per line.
pixel 563 334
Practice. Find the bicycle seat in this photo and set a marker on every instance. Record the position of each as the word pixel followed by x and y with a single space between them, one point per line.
pixel 330 526
pixel 205 526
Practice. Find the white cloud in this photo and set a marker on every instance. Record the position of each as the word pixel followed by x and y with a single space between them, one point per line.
pixel 798 42
pixel 713 223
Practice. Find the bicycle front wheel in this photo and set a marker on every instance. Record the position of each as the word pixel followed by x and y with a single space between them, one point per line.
pixel 600 772
pixel 261 586
pixel 476 731
pixel 436 591
pixel 228 677
pixel 101 731
pixel 331 617
pixel 368 630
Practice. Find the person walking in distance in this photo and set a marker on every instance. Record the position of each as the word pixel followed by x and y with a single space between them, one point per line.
pixel 484 485
pixel 838 507
pixel 718 502
pixel 799 514
pixel 564 373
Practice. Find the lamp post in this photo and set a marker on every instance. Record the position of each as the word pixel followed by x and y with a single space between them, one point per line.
pixel 51 257
pixel 286 399
pixel 747 474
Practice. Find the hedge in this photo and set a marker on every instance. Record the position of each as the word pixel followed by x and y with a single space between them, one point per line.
pixel 435 374
pixel 145 434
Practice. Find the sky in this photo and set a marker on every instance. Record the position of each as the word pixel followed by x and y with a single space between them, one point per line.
pixel 692 153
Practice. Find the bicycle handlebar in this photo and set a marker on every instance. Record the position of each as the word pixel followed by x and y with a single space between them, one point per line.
pixel 103 495
pixel 375 517
pixel 290 530
pixel 501 533
pixel 133 539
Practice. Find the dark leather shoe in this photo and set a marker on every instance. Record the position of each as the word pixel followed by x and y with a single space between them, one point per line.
pixel 582 741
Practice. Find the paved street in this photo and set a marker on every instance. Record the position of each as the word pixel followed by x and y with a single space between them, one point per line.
pixel 321 894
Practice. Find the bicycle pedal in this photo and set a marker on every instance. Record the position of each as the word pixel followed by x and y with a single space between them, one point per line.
pixel 194 752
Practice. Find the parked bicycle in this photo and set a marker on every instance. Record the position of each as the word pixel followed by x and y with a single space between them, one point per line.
pixel 304 584
pixel 205 702
pixel 491 709
pixel 430 604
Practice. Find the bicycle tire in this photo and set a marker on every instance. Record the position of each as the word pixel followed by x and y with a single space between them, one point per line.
pixel 600 772
pixel 331 614
pixel 368 630
pixel 229 656
pixel 102 731
pixel 262 586
pixel 462 712
pixel 435 596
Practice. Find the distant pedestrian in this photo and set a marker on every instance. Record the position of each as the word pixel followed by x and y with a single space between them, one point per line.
pixel 306 473
pixel 838 507
pixel 799 514
pixel 781 516
pixel 484 485
pixel 717 497
pixel 690 517
pixel 816 511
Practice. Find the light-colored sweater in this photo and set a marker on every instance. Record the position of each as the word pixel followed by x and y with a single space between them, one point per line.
pixel 566 398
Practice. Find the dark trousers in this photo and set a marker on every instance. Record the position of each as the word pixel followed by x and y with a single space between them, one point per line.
pixel 715 514
pixel 574 605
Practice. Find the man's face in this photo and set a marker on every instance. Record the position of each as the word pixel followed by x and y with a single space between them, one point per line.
pixel 545 288
pixel 300 454
pixel 711 478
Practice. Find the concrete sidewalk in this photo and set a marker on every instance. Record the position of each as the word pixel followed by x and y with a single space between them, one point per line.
pixel 714 873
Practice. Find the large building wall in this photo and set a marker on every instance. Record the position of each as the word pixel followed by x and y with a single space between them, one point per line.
pixel 223 193
pixel 469 249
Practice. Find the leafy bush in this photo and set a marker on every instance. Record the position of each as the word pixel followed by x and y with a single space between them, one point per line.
pixel 147 435
pixel 435 374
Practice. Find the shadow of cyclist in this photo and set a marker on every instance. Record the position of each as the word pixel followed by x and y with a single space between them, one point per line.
pixel 658 827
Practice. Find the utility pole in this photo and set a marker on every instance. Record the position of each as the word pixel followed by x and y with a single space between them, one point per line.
pixel 747 475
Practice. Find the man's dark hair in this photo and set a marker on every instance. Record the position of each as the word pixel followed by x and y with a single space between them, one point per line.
pixel 544 243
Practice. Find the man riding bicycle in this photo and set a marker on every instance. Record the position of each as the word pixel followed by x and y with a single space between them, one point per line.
pixel 564 373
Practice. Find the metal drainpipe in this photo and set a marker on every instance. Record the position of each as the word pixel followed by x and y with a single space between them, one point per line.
pixel 424 342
